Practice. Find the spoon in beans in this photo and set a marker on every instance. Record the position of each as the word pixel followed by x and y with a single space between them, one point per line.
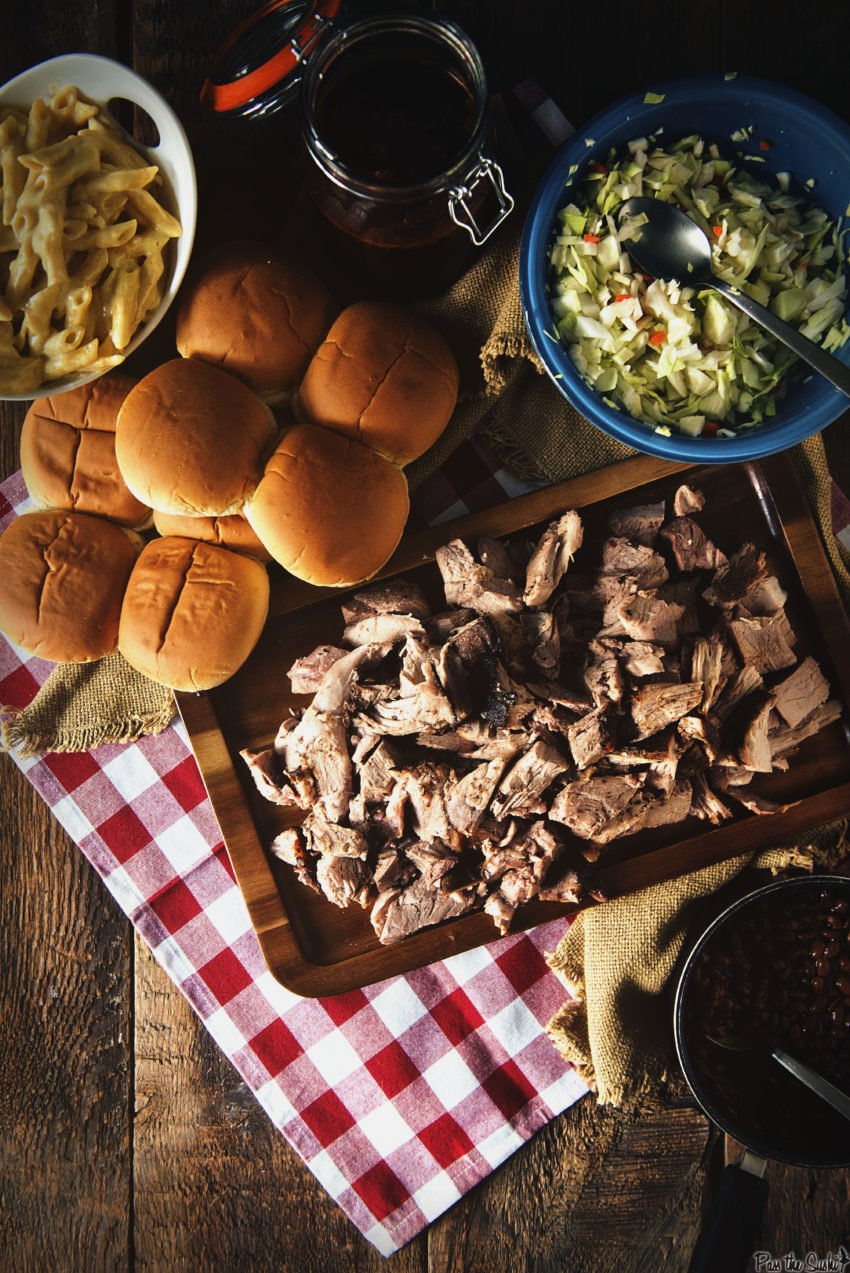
pixel 813 1081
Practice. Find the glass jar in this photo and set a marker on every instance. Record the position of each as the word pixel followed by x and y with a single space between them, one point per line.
pixel 394 113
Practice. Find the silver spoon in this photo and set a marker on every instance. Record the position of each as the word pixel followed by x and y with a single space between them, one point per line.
pixel 672 245
pixel 810 1078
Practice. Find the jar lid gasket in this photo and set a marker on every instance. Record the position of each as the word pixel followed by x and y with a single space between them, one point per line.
pixel 258 68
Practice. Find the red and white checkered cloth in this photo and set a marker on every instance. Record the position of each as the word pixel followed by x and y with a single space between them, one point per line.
pixel 399 1097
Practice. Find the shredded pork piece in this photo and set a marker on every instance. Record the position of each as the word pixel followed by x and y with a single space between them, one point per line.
pixel 550 559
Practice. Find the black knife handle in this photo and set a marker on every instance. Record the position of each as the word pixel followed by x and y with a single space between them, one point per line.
pixel 732 1225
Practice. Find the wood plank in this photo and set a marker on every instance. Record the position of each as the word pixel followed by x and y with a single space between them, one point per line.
pixel 65 1048
pixel 65 949
pixel 33 36
pixel 805 49
pixel 556 45
pixel 216 1185
pixel 806 1209
pixel 594 1192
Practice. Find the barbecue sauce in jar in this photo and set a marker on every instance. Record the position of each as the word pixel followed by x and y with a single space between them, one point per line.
pixel 396 123
pixel 396 120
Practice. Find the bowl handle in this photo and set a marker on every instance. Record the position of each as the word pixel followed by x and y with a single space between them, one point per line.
pixel 108 79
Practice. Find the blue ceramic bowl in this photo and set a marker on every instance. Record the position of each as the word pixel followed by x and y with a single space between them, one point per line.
pixel 809 141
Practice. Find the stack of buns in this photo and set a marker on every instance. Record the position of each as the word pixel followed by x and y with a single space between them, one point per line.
pixel 195 448
pixel 64 568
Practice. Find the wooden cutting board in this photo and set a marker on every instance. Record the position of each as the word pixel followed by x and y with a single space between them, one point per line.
pixel 315 948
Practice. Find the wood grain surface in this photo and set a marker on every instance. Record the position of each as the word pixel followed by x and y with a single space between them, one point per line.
pixel 126 1140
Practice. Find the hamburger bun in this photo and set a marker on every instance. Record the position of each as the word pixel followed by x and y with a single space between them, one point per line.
pixel 328 509
pixel 232 532
pixel 257 314
pixel 68 453
pixel 192 440
pixel 383 376
pixel 192 612
pixel 64 576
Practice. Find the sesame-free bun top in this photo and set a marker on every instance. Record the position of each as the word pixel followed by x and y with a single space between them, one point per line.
pixel 328 509
pixel 192 612
pixel 63 579
pixel 192 440
pixel 68 452
pixel 255 313
pixel 232 532
pixel 383 376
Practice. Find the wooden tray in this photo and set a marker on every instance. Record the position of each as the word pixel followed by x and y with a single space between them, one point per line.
pixel 313 947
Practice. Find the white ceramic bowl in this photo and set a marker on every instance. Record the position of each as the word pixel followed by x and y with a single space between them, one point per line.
pixel 101 79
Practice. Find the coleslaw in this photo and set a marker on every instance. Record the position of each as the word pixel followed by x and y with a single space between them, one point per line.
pixel 682 358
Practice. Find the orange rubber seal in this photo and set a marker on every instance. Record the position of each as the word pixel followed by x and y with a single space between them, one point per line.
pixel 224 96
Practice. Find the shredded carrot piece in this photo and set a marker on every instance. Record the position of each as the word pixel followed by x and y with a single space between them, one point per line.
pixel 597 167
pixel 624 296
pixel 710 428
pixel 590 238
pixel 717 230
pixel 658 338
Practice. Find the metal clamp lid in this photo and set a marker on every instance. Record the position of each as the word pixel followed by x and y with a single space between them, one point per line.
pixel 258 68
pixel 460 198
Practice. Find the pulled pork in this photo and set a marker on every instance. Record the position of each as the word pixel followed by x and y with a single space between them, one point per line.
pixel 484 754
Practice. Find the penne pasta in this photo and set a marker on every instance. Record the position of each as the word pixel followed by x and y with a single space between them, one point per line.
pixel 107 236
pixel 23 376
pixel 38 125
pixel 13 175
pixel 120 179
pixel 38 313
pixel 64 341
pixel 91 270
pixel 63 163
pixel 125 304
pixel 47 238
pixel 146 208
pixel 78 307
pixel 69 106
pixel 22 270
pixel 109 206
pixel 62 364
pixel 113 148
pixel 82 241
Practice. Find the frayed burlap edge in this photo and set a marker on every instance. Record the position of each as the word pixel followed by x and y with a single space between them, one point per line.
pixel 626 1066
pixel 16 735
pixel 85 705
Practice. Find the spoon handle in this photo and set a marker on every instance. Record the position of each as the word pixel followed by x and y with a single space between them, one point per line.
pixel 820 1086
pixel 824 363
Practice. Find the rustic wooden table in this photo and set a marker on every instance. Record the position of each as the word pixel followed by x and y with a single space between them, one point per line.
pixel 126 1140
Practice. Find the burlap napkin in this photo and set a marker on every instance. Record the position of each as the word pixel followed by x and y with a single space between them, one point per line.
pixel 84 705
pixel 618 961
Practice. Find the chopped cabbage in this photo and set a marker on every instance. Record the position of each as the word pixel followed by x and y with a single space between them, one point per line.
pixel 676 356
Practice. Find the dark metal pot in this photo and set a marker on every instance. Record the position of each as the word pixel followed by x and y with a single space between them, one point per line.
pixel 804 1132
